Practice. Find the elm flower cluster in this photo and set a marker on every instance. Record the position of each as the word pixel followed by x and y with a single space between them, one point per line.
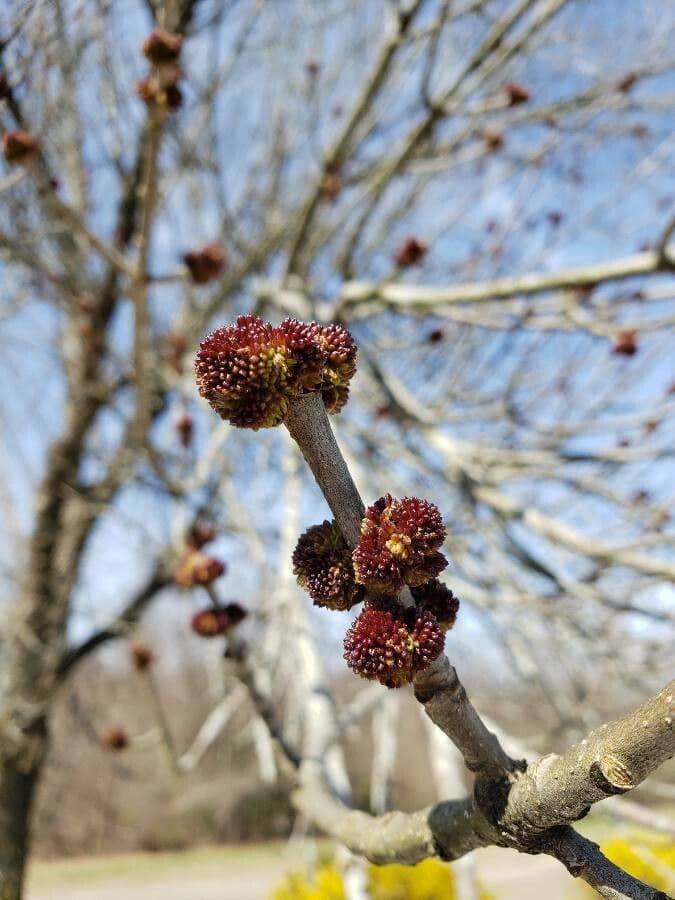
pixel 339 367
pixel 161 47
pixel 114 738
pixel 436 598
pixel 390 645
pixel 206 264
pixel 161 87
pixel 20 147
pixel 248 371
pixel 197 568
pixel 399 545
pixel 217 621
pixel 323 565
pixel 142 656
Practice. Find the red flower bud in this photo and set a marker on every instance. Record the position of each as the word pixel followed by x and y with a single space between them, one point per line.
pixel 185 429
pixel 249 370
pixel 399 544
pixel 323 565
pixel 196 568
pixel 19 146
pixel 142 656
pixel 162 46
pixel 339 366
pixel 206 264
pixel 214 622
pixel 494 141
pixel 438 599
pixel 627 82
pixel 516 93
pixel 114 738
pixel 626 343
pixel 391 645
pixel 411 252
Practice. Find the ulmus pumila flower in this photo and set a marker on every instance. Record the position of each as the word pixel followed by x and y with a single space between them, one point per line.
pixel 217 621
pixel 626 343
pixel 19 146
pixel 339 367
pixel 114 738
pixel 162 46
pixel 196 568
pixel 206 264
pixel 411 252
pixel 323 565
pixel 516 93
pixel 185 429
pixel 390 645
pixel 166 92
pixel 435 597
pixel 142 656
pixel 399 544
pixel 249 370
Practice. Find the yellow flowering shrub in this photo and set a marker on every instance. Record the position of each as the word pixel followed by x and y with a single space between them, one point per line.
pixel 650 860
pixel 428 880
pixel 324 884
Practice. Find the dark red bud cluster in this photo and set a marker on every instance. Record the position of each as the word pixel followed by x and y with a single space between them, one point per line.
pixel 436 598
pixel 399 544
pixel 390 645
pixel 142 656
pixel 410 253
pixel 197 568
pixel 516 93
pixel 185 428
pixel 625 343
pixel 493 140
pixel 161 47
pixel 114 738
pixel 217 621
pixel 20 147
pixel 248 371
pixel 323 565
pixel 162 86
pixel 206 264
pixel 162 89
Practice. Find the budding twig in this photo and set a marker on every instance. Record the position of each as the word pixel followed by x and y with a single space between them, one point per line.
pixel 308 425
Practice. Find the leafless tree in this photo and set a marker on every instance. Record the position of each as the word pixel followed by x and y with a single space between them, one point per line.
pixel 482 191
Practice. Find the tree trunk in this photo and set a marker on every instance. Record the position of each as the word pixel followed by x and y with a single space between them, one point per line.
pixel 17 789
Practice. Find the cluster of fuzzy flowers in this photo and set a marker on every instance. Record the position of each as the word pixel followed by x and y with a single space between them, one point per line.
pixel 162 86
pixel 322 563
pixel 248 371
pixel 114 738
pixel 20 147
pixel 206 264
pixel 399 545
pixel 197 568
pixel 218 620
pixel 391 644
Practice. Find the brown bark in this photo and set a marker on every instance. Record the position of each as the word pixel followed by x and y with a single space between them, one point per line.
pixel 18 780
